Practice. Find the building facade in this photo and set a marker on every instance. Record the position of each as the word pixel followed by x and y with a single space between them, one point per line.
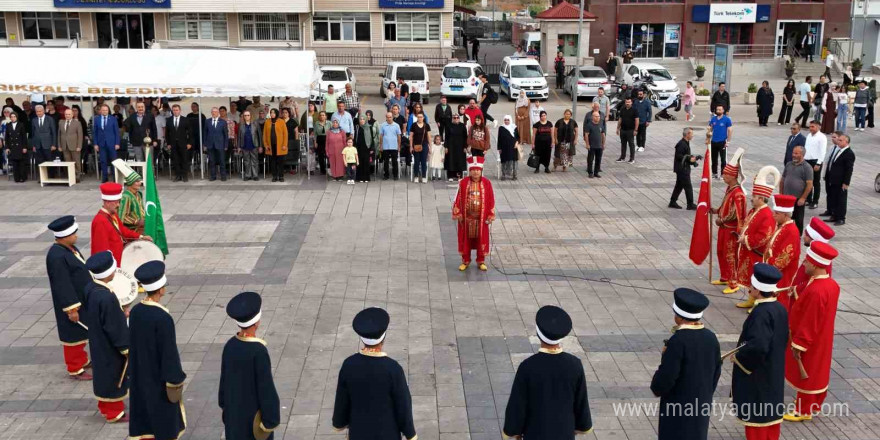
pixel 675 28
pixel 866 33
pixel 373 27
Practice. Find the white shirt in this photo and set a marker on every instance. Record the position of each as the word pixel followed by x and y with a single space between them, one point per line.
pixel 829 60
pixel 835 153
pixel 816 145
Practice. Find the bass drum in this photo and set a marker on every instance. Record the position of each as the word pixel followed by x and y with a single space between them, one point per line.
pixel 139 252
pixel 125 287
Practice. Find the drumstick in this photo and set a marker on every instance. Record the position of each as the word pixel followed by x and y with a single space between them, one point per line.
pixel 82 325
pixel 731 352
pixel 122 377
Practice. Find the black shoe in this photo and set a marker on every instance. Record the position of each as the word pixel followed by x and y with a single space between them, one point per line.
pixel 395 177
pixel 537 170
pixel 814 206
pixel 186 179
pixel 547 170
pixel 212 179
pixel 385 178
pixel 590 175
pixel 255 179
pixel 691 207
pixel 598 176
pixel 840 223
pixel 223 179
pixel 281 179
pixel 620 159
pixel 274 179
pixel 825 214
pixel 674 205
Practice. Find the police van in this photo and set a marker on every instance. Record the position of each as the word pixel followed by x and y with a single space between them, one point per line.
pixel 523 75
pixel 413 73
pixel 460 79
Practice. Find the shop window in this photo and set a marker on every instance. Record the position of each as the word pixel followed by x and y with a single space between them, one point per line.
pixel 269 27
pixel 2 27
pixel 407 26
pixel 568 45
pixel 653 1
pixel 196 26
pixel 49 25
pixel 341 26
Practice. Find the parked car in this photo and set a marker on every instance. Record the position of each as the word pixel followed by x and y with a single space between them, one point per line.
pixel 414 74
pixel 665 88
pixel 336 76
pixel 460 79
pixel 587 83
pixel 523 75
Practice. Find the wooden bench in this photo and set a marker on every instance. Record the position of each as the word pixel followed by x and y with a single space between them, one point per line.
pixel 70 180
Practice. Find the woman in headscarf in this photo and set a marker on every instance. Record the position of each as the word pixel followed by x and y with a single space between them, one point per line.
pixel 335 143
pixel 292 138
pixel 307 120
pixel 463 117
pixel 365 142
pixel 377 151
pixel 765 103
pixel 478 137
pixel 523 120
pixel 322 127
pixel 542 133
pixel 829 105
pixel 275 144
pixel 508 148
pixel 456 147
pixel 565 138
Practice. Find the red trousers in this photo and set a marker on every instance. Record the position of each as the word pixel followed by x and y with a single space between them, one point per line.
pixel 473 245
pixel 112 411
pixel 726 251
pixel 810 403
pixel 76 358
pixel 763 433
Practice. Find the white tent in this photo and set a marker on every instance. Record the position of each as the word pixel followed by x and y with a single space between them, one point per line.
pixel 159 73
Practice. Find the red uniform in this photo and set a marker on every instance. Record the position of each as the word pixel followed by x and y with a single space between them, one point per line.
pixel 732 213
pixel 109 234
pixel 811 324
pixel 474 208
pixel 784 253
pixel 759 226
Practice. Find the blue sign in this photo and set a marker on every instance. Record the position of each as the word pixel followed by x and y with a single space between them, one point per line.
pixel 722 65
pixel 131 4
pixel 411 4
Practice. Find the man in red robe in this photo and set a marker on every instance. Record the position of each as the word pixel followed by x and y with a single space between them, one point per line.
pixel 474 210
pixel 731 215
pixel 108 232
pixel 759 226
pixel 816 231
pixel 808 362
pixel 784 248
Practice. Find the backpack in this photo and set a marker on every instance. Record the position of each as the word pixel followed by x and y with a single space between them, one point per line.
pixel 491 95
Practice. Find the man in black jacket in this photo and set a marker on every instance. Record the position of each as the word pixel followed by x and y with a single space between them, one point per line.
pixel 837 177
pixel 138 126
pixel 720 97
pixel 443 117
pixel 682 165
pixel 178 139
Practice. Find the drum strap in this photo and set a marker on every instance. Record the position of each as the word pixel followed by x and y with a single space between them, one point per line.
pixel 115 221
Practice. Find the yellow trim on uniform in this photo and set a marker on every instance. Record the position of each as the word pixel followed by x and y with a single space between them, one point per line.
pixel 264 428
pixel 556 350
pixel 340 429
pixel 251 339
pixel 124 352
pixel 736 362
pixel 690 327
pixel 81 371
pixel 173 385
pixel 415 437
pixel 71 307
pixel 798 347
pixel 766 300
pixel 104 399
pixel 806 391
pixel 74 344
pixel 506 435
pixel 373 353
pixel 116 419
pixel 760 425
pixel 155 304
pixel 142 437
pixel 576 432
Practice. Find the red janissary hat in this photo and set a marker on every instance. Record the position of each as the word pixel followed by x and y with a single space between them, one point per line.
pixel 784 203
pixel 731 170
pixel 111 191
pixel 821 253
pixel 819 230
pixel 476 161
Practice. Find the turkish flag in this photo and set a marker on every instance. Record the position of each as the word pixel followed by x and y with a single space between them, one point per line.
pixel 701 238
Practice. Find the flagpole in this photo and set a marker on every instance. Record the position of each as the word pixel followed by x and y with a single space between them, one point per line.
pixel 711 228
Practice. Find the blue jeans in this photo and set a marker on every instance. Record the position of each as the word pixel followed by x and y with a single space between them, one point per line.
pixel 217 158
pixel 860 116
pixel 106 155
pixel 842 113
pixel 420 163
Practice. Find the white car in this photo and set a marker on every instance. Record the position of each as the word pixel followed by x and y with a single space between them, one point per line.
pixel 460 80
pixel 336 76
pixel 665 87
pixel 523 75
pixel 413 73
pixel 588 83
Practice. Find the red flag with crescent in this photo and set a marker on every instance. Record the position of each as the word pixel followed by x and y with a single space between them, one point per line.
pixel 701 238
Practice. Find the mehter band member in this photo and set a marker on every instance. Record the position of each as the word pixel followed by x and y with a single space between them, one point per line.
pixel 474 210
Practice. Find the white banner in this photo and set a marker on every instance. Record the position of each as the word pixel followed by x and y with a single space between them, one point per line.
pixel 733 13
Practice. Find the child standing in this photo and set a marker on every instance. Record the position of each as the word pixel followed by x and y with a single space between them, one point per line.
pixel 350 156
pixel 438 154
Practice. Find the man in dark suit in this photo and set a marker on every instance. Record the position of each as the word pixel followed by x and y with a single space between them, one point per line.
pixel 837 177
pixel 106 133
pixel 138 126
pixel 196 126
pixel 794 140
pixel 43 136
pixel 178 138
pixel 682 165
pixel 216 138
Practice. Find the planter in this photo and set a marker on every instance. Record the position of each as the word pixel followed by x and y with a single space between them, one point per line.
pixel 789 73
pixel 703 100
pixel 701 73
pixel 856 73
pixel 750 98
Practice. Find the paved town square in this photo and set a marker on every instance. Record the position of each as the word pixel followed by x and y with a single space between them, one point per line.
pixel 607 250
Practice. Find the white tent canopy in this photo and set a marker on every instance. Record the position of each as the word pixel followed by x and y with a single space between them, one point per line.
pixel 158 72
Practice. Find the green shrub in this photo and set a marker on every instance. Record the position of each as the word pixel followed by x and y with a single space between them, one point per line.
pixel 753 88
pixel 701 68
pixel 704 92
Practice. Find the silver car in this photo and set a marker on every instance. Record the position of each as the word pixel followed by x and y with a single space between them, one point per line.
pixel 587 83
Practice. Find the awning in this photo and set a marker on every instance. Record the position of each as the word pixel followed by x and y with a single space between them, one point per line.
pixel 159 72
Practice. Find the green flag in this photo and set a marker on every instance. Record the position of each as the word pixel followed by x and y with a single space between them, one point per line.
pixel 154 225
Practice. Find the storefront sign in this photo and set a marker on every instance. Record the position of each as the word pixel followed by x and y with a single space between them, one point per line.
pixel 144 4
pixel 673 32
pixel 731 13
pixel 411 4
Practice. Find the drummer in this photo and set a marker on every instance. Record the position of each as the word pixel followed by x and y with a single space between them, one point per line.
pixel 108 233
pixel 131 206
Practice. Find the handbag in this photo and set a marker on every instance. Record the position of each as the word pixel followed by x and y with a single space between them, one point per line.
pixel 533 161
pixel 417 148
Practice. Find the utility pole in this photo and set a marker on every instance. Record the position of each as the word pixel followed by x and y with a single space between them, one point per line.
pixel 577 72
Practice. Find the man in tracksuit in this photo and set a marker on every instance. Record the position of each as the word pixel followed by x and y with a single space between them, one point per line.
pixel 643 110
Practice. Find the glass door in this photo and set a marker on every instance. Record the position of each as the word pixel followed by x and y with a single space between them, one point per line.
pixel 128 31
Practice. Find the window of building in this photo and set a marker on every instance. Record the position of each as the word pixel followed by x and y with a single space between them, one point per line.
pixel 654 1
pixel 406 26
pixel 269 27
pixel 568 45
pixel 195 26
pixel 49 25
pixel 341 26
pixel 2 27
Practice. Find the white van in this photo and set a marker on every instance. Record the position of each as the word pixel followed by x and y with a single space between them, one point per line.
pixel 414 74
pixel 523 75
pixel 460 80
pixel 531 44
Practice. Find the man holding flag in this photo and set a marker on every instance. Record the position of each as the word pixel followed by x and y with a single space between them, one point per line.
pixel 730 221
pixel 154 224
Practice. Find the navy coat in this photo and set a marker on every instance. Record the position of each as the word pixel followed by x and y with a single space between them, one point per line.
pixel 246 386
pixel 108 342
pixel 108 136
pixel 68 278
pixel 216 137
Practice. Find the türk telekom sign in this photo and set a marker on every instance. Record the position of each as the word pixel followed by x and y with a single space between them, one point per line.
pixel 146 4
pixel 733 13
